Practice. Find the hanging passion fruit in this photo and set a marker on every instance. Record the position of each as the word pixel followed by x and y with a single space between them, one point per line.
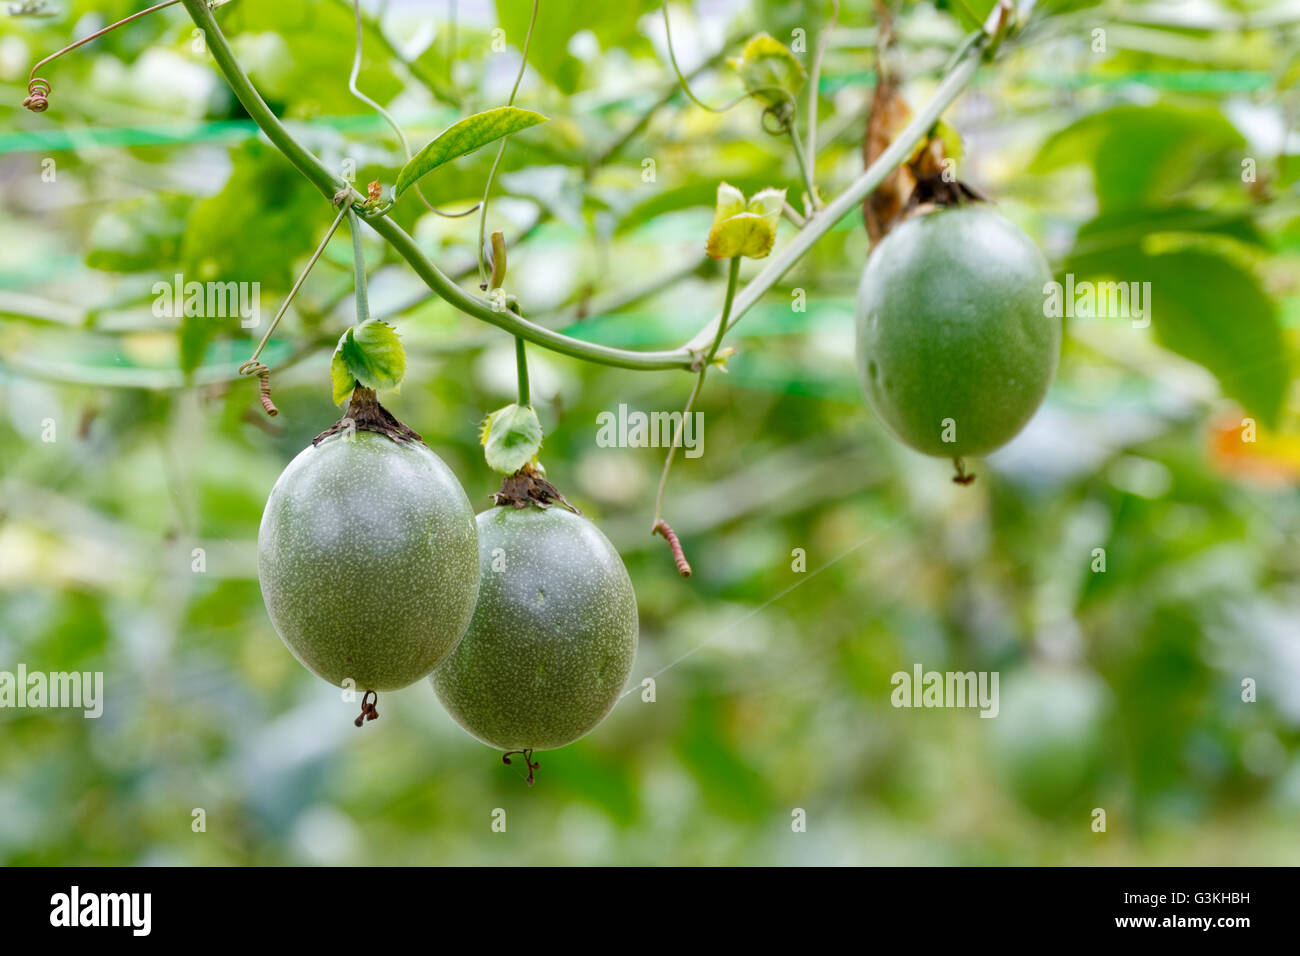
pixel 955 349
pixel 553 637
pixel 368 554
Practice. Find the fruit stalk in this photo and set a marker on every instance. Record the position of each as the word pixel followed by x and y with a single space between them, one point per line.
pixel 358 268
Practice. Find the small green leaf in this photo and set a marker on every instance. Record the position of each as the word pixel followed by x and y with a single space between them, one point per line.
pixel 511 437
pixel 463 137
pixel 370 353
pixel 342 381
pixel 767 63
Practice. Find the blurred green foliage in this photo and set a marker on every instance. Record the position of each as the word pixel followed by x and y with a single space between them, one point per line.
pixel 130 492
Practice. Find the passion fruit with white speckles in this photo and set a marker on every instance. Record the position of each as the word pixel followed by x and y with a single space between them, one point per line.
pixel 554 635
pixel 368 556
pixel 955 348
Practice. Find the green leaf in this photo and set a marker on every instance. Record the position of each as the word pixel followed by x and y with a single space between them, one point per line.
pixel 1215 313
pixel 745 235
pixel 342 381
pixel 511 438
pixel 1203 306
pixel 951 139
pixel 464 137
pixel 1145 155
pixel 766 63
pixel 1125 230
pixel 370 353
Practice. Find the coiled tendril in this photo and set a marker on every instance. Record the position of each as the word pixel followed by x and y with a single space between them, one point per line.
pixel 38 95
pixel 38 89
pixel 254 367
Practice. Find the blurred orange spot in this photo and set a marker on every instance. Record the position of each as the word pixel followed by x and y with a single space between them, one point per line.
pixel 1242 449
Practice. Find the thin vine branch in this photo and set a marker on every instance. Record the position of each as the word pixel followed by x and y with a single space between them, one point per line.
pixel 401 241
pixel 414 67
pixel 38 89
pixel 501 150
pixel 705 361
pixel 815 79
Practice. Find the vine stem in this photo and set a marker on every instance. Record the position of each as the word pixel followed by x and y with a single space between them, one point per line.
pixel 414 67
pixel 680 358
pixel 403 244
pixel 495 281
pixel 681 79
pixel 733 277
pixel 804 169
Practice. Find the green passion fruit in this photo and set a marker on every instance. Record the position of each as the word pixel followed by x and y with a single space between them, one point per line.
pixel 553 637
pixel 955 349
pixel 368 560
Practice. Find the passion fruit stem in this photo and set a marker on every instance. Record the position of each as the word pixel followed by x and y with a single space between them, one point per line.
pixel 368 709
pixel 367 415
pixel 528 759
pixel 962 477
